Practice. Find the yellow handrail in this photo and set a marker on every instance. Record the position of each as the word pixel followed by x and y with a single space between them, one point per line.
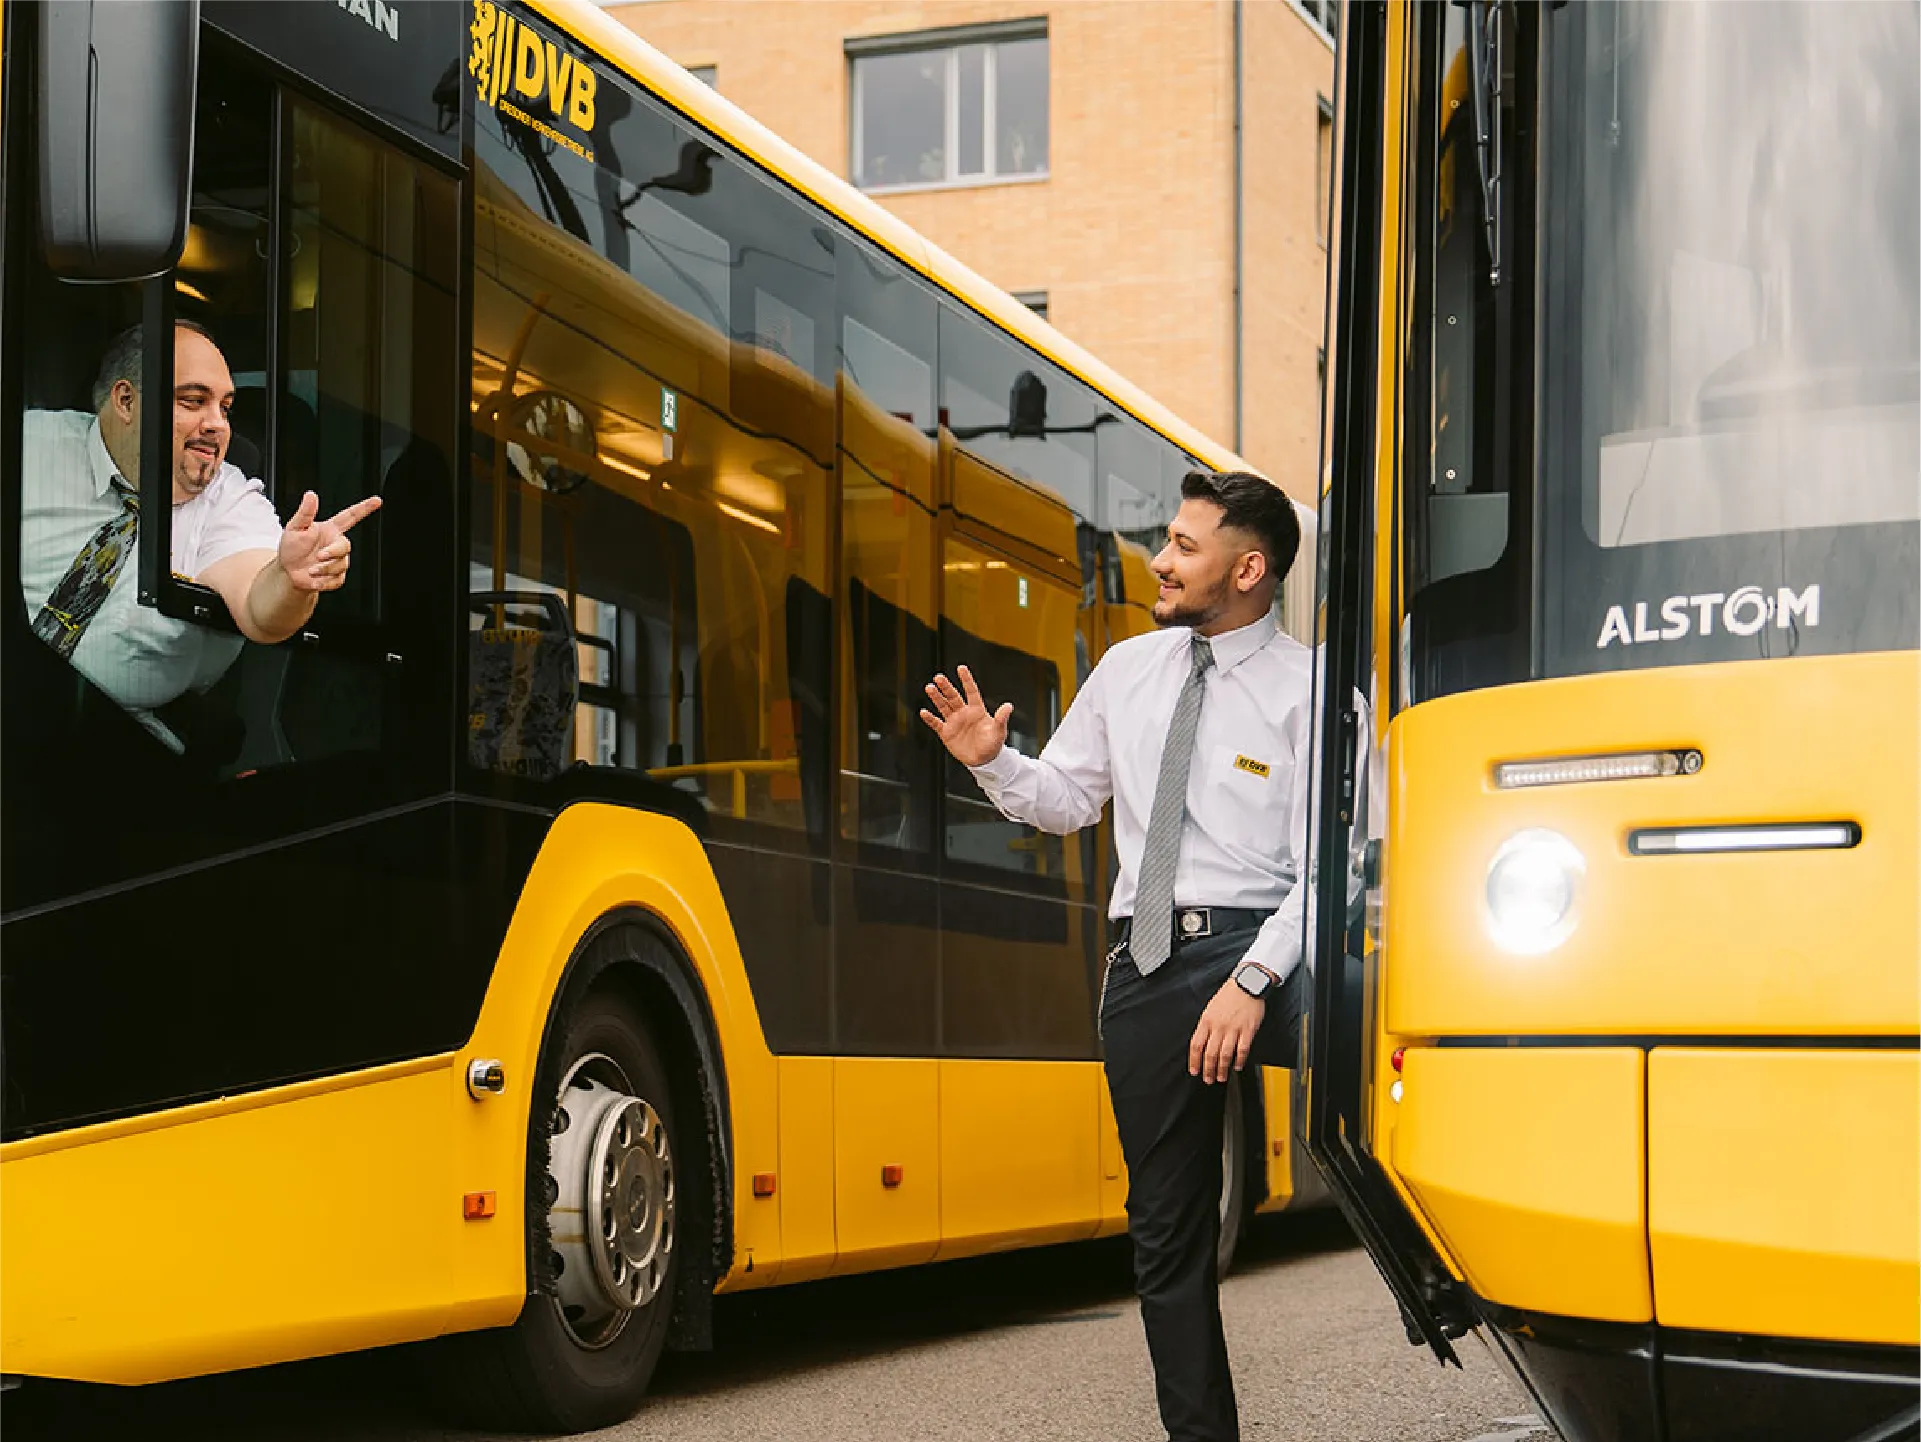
pixel 739 770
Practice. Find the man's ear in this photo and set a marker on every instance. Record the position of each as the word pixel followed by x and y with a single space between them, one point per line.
pixel 1250 571
pixel 123 398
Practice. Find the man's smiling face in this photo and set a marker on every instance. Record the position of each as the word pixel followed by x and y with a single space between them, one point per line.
pixel 202 396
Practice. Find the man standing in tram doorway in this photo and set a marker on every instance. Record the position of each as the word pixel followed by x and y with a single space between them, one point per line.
pixel 1200 733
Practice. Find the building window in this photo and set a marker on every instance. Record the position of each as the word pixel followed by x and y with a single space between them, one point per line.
pixel 1034 300
pixel 1326 15
pixel 708 75
pixel 1323 169
pixel 950 107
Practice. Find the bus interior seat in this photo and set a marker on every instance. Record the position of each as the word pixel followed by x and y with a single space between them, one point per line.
pixel 523 684
pixel 246 447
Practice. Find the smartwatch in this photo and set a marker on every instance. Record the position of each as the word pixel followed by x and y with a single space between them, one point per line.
pixel 1253 978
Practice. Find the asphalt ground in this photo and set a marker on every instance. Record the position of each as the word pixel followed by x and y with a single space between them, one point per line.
pixel 1041 1346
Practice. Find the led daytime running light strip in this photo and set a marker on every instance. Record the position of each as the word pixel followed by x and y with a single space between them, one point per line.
pixel 1624 766
pixel 1696 840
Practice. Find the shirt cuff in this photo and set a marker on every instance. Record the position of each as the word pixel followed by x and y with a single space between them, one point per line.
pixel 1279 954
pixel 1002 769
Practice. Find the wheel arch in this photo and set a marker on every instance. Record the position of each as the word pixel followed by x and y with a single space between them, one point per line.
pixel 628 897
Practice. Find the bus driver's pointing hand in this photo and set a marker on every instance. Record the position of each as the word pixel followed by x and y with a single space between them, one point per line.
pixel 965 726
pixel 314 553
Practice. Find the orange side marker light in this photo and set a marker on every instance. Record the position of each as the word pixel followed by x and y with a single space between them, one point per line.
pixel 477 1206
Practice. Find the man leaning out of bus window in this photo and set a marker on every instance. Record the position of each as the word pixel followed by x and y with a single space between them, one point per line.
pixel 80 517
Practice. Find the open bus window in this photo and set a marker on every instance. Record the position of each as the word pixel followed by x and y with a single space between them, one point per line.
pixel 299 331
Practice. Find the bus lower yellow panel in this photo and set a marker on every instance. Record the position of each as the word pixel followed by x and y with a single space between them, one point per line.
pixel 1020 1154
pixel 255 1234
pixel 886 1114
pixel 805 1183
pixel 1528 1161
pixel 1784 1189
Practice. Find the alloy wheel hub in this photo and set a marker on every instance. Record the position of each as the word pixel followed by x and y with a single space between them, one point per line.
pixel 611 1221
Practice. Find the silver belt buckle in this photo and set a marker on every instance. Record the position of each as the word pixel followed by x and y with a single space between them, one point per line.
pixel 1193 922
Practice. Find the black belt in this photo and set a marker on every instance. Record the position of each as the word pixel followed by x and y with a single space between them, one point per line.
pixel 1194 923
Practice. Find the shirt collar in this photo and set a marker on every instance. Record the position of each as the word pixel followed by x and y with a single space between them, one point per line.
pixel 1233 647
pixel 99 462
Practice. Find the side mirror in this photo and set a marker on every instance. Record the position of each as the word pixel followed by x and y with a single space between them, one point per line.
pixel 116 89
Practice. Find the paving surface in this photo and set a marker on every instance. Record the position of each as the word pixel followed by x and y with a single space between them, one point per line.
pixel 1028 1347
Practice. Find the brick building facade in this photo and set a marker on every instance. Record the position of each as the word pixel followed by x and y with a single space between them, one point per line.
pixel 1116 209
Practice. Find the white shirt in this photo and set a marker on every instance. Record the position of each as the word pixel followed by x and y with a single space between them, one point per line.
pixel 1244 840
pixel 132 652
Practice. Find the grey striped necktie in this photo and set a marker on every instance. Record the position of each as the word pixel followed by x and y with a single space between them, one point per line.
pixel 1151 939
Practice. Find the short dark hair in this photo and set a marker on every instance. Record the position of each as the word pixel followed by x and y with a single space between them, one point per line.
pixel 122 359
pixel 1255 505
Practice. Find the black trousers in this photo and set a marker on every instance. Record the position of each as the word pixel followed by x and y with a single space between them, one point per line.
pixel 1170 1128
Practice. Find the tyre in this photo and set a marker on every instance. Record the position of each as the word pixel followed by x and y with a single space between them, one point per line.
pixel 1234 1172
pixel 602 1199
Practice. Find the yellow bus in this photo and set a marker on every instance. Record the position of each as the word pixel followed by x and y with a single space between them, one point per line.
pixel 574 920
pixel 1614 1039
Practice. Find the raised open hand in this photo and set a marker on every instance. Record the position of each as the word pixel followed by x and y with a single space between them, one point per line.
pixel 965 726
pixel 315 554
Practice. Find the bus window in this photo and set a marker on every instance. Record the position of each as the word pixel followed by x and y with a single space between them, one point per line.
pixel 678 312
pixel 1018 413
pixel 1463 626
pixel 1134 503
pixel 355 294
pixel 887 550
pixel 1134 516
pixel 1016 631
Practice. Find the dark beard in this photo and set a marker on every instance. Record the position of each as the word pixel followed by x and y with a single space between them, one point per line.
pixel 1196 613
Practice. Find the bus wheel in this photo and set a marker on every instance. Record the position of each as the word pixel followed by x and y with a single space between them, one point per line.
pixel 585 1346
pixel 1233 1176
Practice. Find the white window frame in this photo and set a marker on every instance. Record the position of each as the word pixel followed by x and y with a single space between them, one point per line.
pixel 990 37
pixel 1308 10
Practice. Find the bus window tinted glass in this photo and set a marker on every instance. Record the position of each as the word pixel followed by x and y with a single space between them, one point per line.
pixel 654 362
pixel 1135 514
pixel 887 549
pixel 1017 631
pixel 1018 412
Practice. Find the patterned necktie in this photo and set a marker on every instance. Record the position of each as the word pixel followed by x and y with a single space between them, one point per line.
pixel 1151 939
pixel 77 598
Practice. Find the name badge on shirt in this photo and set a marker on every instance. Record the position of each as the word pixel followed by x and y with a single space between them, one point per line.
pixel 1249 764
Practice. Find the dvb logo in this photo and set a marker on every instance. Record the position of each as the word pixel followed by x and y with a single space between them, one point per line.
pixel 509 54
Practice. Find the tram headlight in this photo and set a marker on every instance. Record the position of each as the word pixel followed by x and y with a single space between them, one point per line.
pixel 1533 891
